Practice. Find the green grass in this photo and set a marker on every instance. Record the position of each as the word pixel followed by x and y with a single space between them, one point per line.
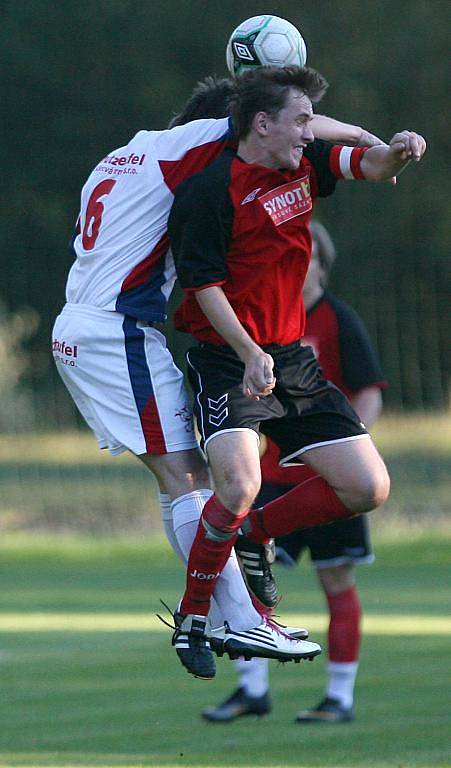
pixel 88 677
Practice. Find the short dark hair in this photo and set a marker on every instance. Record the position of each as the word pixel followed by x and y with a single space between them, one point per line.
pixel 210 98
pixel 325 249
pixel 266 90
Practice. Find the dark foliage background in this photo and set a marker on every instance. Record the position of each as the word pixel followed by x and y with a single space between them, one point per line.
pixel 81 78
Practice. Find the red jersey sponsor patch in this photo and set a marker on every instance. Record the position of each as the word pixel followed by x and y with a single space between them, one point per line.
pixel 288 201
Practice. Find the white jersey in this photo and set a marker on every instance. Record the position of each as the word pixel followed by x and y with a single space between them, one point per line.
pixel 123 261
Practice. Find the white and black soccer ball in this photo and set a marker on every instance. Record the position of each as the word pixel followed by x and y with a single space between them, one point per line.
pixel 265 41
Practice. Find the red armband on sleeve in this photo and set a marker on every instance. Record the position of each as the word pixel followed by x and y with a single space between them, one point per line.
pixel 345 162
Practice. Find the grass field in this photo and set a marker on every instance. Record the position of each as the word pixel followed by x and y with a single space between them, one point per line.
pixel 89 677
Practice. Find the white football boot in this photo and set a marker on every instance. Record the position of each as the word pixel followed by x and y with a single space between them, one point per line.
pixel 269 640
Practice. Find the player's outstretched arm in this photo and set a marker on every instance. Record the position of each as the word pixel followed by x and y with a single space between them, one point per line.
pixel 329 129
pixel 382 162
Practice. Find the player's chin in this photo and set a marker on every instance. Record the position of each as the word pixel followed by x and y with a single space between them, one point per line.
pixel 295 159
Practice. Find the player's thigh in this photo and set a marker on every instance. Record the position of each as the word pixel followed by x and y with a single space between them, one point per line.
pixel 235 467
pixel 316 414
pixel 159 391
pixel 353 465
pixel 85 351
pixel 178 472
pixel 125 373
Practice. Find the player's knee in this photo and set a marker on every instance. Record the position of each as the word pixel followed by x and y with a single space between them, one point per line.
pixel 373 491
pixel 381 487
pixel 239 495
pixel 336 579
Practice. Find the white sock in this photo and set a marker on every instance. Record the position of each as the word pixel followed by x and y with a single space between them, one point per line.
pixel 186 511
pixel 231 595
pixel 166 516
pixel 341 682
pixel 253 676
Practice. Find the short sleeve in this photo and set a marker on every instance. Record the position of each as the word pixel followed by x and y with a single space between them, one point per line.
pixel 359 361
pixel 200 227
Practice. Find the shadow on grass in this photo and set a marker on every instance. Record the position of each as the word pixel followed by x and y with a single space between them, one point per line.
pixel 121 699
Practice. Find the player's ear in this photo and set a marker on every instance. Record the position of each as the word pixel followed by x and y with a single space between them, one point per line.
pixel 260 123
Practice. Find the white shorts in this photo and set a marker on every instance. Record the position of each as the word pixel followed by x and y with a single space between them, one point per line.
pixel 123 380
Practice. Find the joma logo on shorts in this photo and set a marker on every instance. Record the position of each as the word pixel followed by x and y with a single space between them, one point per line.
pixel 288 200
pixel 204 576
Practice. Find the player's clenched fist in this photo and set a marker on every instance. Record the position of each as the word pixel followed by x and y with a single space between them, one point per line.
pixel 258 380
pixel 408 145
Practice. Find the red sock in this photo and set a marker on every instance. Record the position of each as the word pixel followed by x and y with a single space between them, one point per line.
pixel 344 626
pixel 311 503
pixel 208 557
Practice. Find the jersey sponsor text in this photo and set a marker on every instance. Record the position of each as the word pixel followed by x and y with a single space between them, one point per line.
pixel 132 159
pixel 287 201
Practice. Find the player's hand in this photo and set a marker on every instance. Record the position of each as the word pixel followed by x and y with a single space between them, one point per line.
pixel 258 379
pixel 408 145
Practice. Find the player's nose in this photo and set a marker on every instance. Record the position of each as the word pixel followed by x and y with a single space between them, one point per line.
pixel 307 134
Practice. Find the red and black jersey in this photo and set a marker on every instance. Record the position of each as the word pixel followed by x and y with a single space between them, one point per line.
pixel 342 346
pixel 245 227
pixel 347 357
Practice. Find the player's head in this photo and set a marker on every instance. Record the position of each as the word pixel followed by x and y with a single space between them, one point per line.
pixel 323 252
pixel 210 98
pixel 267 90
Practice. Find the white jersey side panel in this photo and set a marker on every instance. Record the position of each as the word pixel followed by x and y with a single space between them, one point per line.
pixel 123 261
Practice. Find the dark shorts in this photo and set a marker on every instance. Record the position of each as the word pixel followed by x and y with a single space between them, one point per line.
pixel 341 543
pixel 304 410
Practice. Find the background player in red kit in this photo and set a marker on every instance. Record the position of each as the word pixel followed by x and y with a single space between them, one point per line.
pixel 240 236
pixel 346 355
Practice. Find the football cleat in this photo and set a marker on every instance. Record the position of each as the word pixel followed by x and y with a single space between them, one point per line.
pixel 267 641
pixel 238 705
pixel 327 711
pixel 298 633
pixel 192 645
pixel 217 636
pixel 255 561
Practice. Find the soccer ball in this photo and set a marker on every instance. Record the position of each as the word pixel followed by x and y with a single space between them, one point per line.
pixel 263 41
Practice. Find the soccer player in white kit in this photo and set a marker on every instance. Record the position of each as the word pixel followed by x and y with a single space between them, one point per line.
pixel 116 365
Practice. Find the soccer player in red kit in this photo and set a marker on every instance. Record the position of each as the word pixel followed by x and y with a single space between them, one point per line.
pixel 241 242
pixel 343 348
pixel 110 355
